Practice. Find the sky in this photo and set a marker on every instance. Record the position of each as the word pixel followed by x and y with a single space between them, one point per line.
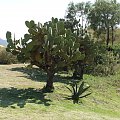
pixel 14 13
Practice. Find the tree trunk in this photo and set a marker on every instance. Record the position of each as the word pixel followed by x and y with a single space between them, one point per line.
pixel 82 25
pixel 74 74
pixel 81 65
pixel 108 37
pixel 49 83
pixel 112 35
pixel 79 70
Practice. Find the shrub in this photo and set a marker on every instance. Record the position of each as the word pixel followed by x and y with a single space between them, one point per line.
pixel 7 58
pixel 116 51
pixel 106 64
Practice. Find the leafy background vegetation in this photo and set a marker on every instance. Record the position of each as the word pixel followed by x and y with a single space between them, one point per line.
pixel 7 58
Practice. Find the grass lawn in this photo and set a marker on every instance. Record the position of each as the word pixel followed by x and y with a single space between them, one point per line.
pixel 21 97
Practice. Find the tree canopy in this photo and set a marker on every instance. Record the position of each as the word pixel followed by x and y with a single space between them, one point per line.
pixel 104 15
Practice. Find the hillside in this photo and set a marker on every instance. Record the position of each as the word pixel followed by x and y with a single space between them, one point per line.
pixel 21 97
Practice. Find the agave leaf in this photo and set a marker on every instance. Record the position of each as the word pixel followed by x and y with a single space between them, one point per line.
pixel 69 98
pixel 74 92
pixel 69 89
pixel 85 89
pixel 84 95
pixel 81 88
pixel 76 86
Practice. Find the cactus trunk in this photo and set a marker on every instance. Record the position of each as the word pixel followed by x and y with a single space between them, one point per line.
pixel 49 83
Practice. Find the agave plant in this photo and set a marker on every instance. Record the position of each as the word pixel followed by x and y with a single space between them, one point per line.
pixel 78 91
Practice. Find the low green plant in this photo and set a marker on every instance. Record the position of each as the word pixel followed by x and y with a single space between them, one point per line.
pixel 7 58
pixel 78 91
pixel 106 64
pixel 116 51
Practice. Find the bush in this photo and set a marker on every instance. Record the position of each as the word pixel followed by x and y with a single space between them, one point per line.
pixel 106 64
pixel 116 51
pixel 7 58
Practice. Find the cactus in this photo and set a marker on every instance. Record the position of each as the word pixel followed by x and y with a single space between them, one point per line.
pixel 49 46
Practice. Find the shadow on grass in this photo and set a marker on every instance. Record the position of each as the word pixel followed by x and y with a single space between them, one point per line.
pixel 36 74
pixel 11 96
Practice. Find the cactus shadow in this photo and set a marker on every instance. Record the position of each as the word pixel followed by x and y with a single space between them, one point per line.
pixel 14 96
pixel 37 74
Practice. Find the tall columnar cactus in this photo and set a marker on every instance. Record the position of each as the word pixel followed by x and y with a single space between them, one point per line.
pixel 49 46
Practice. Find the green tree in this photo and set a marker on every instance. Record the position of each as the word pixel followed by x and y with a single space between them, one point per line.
pixel 104 16
pixel 76 15
pixel 50 46
pixel 83 9
pixel 71 17
pixel 76 19
pixel 115 19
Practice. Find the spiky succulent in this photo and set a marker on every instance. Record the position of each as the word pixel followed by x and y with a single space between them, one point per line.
pixel 78 91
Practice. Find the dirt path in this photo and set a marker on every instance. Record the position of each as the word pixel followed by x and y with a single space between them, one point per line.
pixel 9 77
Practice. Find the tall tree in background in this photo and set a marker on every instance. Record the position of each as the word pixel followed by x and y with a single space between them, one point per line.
pixel 71 18
pixel 83 9
pixel 104 16
pixel 115 19
pixel 76 15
